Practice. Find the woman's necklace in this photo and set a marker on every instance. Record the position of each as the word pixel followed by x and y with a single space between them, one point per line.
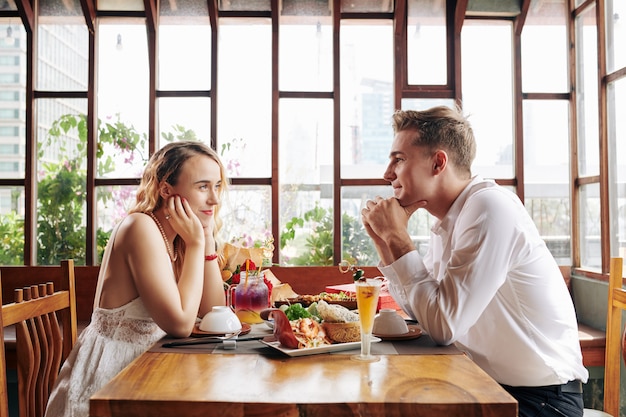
pixel 173 256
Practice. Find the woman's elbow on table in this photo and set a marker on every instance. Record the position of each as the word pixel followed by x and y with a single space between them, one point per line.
pixel 178 328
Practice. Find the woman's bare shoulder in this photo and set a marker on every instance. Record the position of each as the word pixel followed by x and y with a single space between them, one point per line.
pixel 135 228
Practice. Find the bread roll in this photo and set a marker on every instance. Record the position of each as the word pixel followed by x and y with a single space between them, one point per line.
pixel 335 313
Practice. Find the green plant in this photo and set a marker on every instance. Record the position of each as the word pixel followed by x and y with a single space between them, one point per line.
pixel 12 239
pixel 319 238
pixel 61 196
pixel 357 244
pixel 60 213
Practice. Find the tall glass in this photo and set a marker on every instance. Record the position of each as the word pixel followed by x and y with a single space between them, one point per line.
pixel 367 292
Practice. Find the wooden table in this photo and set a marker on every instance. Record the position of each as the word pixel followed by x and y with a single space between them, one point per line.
pixel 328 385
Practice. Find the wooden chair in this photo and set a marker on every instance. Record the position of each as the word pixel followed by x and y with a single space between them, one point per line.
pixel 615 348
pixel 45 327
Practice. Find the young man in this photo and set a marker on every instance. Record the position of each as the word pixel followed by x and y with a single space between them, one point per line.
pixel 488 282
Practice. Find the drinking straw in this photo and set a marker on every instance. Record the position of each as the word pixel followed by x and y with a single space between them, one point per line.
pixel 247 271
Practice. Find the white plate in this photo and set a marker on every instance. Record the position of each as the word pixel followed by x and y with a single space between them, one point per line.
pixel 335 347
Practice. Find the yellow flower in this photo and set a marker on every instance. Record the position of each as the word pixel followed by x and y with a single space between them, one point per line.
pixel 226 274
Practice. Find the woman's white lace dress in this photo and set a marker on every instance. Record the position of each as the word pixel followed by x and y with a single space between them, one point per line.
pixel 111 341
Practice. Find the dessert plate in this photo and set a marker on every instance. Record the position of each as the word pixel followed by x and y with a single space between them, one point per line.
pixel 413 333
pixel 245 329
pixel 335 347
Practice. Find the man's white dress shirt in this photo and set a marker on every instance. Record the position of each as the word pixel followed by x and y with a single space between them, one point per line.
pixel 490 285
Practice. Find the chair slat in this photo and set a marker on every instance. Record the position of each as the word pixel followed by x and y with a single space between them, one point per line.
pixel 40 337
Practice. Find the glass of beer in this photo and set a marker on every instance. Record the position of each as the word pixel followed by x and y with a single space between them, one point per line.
pixel 367 292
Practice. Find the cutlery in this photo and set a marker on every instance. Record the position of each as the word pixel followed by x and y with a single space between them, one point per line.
pixel 207 340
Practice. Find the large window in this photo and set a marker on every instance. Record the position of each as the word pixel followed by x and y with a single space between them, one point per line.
pixel 297 98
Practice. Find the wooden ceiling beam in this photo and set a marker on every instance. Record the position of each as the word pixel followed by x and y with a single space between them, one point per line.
pixel 518 24
pixel 152 14
pixel 25 11
pixel 89 11
pixel 459 15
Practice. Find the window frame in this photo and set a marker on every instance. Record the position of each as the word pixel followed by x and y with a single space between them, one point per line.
pixel 455 17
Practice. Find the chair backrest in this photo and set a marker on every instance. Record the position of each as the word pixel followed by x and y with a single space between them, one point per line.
pixel 615 348
pixel 45 328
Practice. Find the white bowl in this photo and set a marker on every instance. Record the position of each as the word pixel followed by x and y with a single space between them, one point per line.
pixel 388 322
pixel 221 319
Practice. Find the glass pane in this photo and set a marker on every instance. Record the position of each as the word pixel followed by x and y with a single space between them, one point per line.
pixel 8 5
pixel 420 224
pixel 179 69
pixel 587 92
pixel 306 144
pixel 306 54
pixel 122 99
pixel 185 118
pixel 426 42
pixel 615 34
pixel 250 5
pixel 306 224
pixel 351 6
pixel 60 8
pixel 551 215
pixel 12 40
pixel 544 48
pixel 61 180
pixel 305 8
pixel 547 173
pixel 590 245
pixel 357 246
pixel 247 215
pixel 616 106
pixel 367 99
pixel 423 104
pixel 187 9
pixel 306 181
pixel 123 5
pixel 488 94
pixel 12 100
pixel 245 81
pixel 63 57
pixel 546 143
pixel 113 203
pixel 11 225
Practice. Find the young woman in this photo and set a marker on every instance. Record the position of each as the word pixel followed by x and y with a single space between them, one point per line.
pixel 159 272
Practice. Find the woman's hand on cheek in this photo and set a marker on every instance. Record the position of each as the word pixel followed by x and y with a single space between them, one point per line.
pixel 184 221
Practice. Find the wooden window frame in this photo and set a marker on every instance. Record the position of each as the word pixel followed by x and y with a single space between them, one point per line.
pixel 455 17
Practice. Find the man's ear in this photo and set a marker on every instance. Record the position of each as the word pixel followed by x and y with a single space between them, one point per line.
pixel 440 161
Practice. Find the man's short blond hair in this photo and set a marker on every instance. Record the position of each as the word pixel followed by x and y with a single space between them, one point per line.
pixel 440 128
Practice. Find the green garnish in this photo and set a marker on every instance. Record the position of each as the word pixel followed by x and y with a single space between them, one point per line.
pixel 296 311
pixel 358 274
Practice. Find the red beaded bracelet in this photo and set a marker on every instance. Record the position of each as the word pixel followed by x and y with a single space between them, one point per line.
pixel 211 257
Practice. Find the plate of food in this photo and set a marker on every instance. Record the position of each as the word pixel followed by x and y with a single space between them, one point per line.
pixel 306 300
pixel 305 351
pixel 298 332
